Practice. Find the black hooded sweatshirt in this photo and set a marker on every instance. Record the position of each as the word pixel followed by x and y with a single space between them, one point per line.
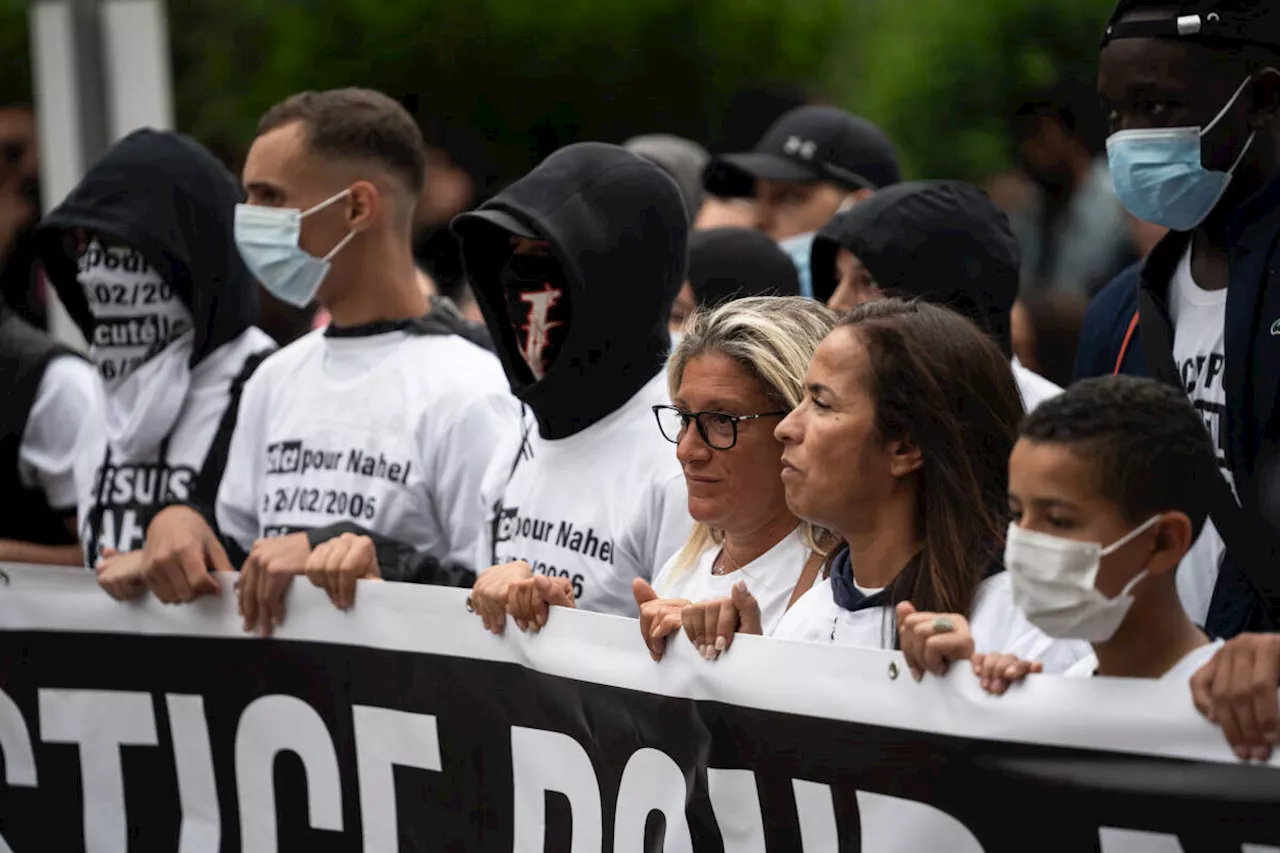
pixel 617 224
pixel 171 200
pixel 944 241
pixel 597 495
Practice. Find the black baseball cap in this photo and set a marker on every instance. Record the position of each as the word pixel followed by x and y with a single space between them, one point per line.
pixel 1242 21
pixel 810 143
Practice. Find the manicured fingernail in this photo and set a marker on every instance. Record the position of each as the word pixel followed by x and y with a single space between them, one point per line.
pixel 702 650
pixel 721 644
pixel 542 620
pixel 711 653
pixel 917 675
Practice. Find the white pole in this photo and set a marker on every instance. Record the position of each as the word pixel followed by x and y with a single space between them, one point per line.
pixel 58 122
pixel 136 58
pixel 101 71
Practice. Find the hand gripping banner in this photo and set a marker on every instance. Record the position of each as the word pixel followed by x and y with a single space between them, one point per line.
pixel 403 725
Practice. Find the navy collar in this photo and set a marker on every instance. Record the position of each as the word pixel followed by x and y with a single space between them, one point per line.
pixel 850 598
pixel 368 330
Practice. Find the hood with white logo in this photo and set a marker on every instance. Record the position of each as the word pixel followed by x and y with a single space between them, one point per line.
pixel 617 225
pixel 166 196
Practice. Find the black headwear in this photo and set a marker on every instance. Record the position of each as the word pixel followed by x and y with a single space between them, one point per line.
pixel 734 263
pixel 1245 21
pixel 944 241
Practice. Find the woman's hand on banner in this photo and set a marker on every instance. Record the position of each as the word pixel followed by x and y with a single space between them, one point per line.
pixel 997 672
pixel 179 552
pixel 659 617
pixel 931 642
pixel 710 625
pixel 1237 689
pixel 122 576
pixel 265 577
pixel 529 600
pixel 489 595
pixel 337 564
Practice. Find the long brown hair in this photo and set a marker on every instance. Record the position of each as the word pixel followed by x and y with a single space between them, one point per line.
pixel 944 386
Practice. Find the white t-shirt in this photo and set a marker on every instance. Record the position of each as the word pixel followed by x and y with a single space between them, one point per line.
pixel 1033 387
pixel 66 400
pixel 601 507
pixel 997 624
pixel 117 504
pixel 390 431
pixel 1181 671
pixel 771 578
pixel 1199 335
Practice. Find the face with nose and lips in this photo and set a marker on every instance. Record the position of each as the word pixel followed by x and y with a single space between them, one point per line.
pixel 834 462
pixel 738 488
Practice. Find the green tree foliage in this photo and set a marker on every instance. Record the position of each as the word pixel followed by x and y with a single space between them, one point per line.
pixel 15 59
pixel 943 77
pixel 528 75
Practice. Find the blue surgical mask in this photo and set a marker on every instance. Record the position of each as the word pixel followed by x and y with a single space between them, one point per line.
pixel 267 238
pixel 799 248
pixel 1159 177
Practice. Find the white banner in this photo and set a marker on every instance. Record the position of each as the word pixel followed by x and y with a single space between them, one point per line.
pixel 403 725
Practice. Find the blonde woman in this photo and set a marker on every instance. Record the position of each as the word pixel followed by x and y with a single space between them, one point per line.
pixel 738 370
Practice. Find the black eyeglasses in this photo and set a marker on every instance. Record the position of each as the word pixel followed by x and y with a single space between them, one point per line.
pixel 718 430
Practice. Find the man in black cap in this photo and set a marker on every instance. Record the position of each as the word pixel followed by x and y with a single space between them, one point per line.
pixel 810 164
pixel 944 241
pixel 731 263
pixel 1194 98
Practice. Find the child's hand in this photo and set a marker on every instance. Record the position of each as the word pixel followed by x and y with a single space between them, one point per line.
pixel 997 672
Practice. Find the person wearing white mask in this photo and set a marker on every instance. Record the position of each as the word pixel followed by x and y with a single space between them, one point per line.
pixel 812 163
pixel 382 423
pixel 141 253
pixel 1106 490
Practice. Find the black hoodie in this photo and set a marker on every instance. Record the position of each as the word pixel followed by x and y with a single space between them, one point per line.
pixel 944 241
pixel 165 196
pixel 169 198
pixel 618 226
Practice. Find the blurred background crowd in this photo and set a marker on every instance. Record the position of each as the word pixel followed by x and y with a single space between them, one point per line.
pixel 999 93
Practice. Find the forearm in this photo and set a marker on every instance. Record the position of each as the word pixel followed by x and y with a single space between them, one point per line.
pixel 12 551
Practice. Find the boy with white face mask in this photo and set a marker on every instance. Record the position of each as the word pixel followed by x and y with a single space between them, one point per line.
pixel 1107 492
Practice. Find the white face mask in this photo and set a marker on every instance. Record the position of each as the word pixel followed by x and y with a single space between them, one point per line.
pixel 267 238
pixel 143 337
pixel 1053 583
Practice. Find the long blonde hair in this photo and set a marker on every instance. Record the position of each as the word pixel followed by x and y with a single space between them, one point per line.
pixel 773 338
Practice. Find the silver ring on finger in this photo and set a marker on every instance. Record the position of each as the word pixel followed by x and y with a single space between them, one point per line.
pixel 942 625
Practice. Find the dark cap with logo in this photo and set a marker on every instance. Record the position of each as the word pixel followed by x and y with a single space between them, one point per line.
pixel 811 143
pixel 1241 21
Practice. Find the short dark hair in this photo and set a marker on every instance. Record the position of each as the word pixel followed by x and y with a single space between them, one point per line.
pixel 1147 445
pixel 359 124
